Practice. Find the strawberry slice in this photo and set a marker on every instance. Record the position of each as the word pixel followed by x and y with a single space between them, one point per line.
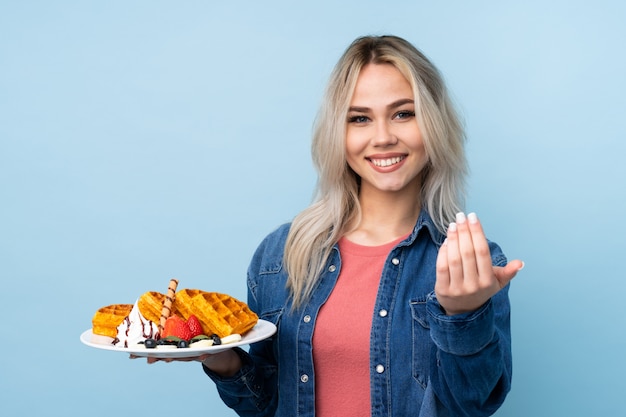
pixel 194 326
pixel 176 326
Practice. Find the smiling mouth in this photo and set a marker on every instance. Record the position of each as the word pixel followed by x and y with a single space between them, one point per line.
pixel 387 161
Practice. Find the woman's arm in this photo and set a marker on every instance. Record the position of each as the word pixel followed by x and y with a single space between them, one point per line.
pixel 470 321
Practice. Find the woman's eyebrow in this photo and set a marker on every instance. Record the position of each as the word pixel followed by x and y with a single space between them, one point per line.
pixel 395 104
pixel 357 109
pixel 401 102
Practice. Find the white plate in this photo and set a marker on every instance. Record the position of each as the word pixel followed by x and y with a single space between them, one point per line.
pixel 262 330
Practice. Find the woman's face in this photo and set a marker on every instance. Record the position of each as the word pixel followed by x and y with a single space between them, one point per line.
pixel 384 145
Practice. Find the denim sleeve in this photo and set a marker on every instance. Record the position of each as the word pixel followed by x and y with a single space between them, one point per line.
pixel 472 353
pixel 245 392
pixel 253 390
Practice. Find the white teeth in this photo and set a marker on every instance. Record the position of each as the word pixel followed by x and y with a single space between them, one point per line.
pixel 387 162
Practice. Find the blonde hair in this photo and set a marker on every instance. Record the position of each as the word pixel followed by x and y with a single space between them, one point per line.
pixel 316 229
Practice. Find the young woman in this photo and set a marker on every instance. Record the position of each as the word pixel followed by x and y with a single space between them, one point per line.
pixel 389 301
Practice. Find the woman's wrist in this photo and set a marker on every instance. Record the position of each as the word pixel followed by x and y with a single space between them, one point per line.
pixel 224 364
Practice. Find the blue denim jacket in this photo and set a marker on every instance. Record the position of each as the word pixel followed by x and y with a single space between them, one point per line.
pixel 422 362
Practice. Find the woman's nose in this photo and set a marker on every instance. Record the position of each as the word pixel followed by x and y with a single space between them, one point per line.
pixel 383 135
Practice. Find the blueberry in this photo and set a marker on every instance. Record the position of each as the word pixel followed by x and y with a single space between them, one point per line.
pixel 150 343
pixel 168 341
pixel 183 344
pixel 216 339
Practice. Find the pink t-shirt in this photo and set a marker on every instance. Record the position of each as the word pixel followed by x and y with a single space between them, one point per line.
pixel 341 340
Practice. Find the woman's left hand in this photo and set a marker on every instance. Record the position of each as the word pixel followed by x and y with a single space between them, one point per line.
pixel 466 278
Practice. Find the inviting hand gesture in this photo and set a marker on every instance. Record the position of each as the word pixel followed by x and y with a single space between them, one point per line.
pixel 466 278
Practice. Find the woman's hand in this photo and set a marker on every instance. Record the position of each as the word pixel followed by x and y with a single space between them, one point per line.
pixel 225 363
pixel 466 278
pixel 152 360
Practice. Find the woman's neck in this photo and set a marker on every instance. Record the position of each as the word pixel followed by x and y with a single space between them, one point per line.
pixel 385 217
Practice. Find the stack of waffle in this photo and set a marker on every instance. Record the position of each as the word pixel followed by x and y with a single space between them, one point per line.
pixel 218 313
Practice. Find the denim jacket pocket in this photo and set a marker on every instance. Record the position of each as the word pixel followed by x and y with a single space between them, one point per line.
pixel 274 317
pixel 420 343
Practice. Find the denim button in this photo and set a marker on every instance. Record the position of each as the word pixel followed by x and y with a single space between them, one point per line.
pixel 306 318
pixel 380 369
pixel 304 378
pixel 332 268
pixel 382 313
pixel 395 261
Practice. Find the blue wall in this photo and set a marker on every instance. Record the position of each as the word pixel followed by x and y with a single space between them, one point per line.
pixel 144 140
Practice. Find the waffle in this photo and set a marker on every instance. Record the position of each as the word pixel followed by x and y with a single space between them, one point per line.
pixel 218 313
pixel 151 305
pixel 106 319
pixel 183 303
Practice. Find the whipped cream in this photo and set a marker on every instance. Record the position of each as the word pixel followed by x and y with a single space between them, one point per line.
pixel 135 328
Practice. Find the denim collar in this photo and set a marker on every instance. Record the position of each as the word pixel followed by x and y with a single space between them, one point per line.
pixel 424 221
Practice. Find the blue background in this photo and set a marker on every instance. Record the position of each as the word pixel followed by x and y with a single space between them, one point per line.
pixel 145 140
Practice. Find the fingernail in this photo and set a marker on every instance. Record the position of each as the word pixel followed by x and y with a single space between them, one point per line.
pixel 522 267
pixel 452 227
pixel 460 218
pixel 472 218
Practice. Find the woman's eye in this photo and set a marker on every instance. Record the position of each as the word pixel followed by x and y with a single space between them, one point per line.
pixel 358 119
pixel 405 114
